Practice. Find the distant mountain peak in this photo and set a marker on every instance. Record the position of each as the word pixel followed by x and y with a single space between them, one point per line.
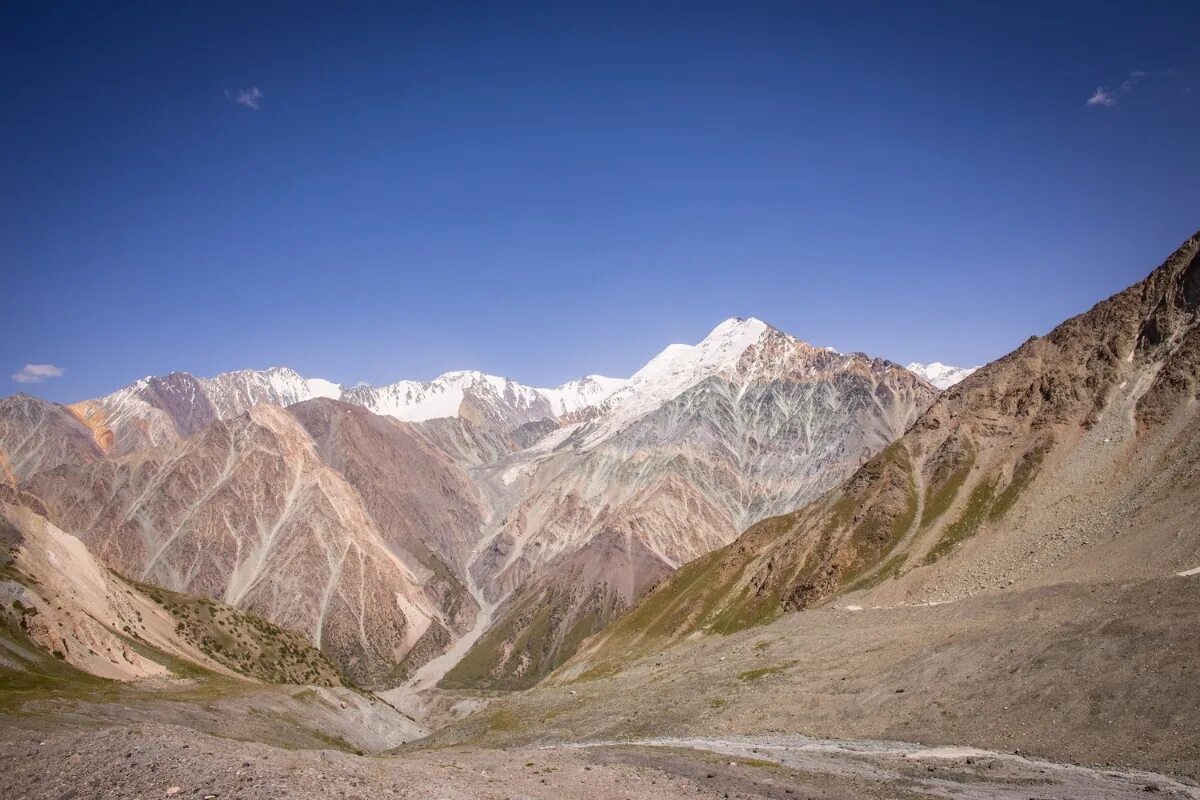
pixel 943 376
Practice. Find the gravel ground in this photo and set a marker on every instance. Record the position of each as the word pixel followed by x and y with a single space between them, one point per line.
pixel 1104 674
pixel 152 760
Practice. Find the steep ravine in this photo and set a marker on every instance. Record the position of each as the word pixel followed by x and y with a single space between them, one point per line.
pixel 415 696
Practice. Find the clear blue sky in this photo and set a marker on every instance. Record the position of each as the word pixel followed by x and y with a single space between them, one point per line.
pixel 541 191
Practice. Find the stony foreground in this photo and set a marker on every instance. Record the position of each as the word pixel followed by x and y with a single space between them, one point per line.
pixel 154 760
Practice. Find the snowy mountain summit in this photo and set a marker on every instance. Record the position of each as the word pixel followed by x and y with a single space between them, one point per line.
pixel 155 410
pixel 943 376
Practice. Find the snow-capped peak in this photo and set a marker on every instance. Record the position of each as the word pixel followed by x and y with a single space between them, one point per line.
pixel 501 403
pixel 677 368
pixel 940 375
pixel 231 393
pixel 581 393
pixel 721 349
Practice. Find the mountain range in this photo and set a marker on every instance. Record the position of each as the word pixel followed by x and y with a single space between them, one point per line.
pixel 749 535
pixel 392 524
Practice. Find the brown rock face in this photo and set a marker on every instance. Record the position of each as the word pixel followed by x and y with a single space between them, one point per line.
pixel 545 621
pixel 425 506
pixel 1072 457
pixel 246 512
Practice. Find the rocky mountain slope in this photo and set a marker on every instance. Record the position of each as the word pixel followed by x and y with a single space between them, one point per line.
pixel 246 512
pixel 1076 457
pixel 703 441
pixel 37 435
pixel 57 598
pixel 425 505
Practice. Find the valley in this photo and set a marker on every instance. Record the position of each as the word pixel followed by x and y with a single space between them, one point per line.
pixel 755 568
pixel 600 401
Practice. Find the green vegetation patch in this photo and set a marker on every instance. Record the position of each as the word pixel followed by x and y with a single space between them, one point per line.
pixel 940 496
pixel 504 719
pixel 242 641
pixel 1025 470
pixel 27 673
pixel 882 528
pixel 966 525
pixel 890 569
pixel 985 504
pixel 683 603
pixel 605 669
pixel 529 643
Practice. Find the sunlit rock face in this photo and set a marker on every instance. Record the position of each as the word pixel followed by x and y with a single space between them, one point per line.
pixel 36 435
pixel 246 512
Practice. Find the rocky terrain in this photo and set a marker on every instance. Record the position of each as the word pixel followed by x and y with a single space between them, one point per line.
pixel 36 435
pixel 164 761
pixel 1095 673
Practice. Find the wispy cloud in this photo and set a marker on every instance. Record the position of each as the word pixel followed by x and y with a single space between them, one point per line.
pixel 1106 97
pixel 37 373
pixel 250 98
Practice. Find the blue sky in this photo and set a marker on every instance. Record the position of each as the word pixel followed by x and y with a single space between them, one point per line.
pixel 541 191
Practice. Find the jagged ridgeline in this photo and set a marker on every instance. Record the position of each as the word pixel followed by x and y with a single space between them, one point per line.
pixel 1066 459
pixel 389 525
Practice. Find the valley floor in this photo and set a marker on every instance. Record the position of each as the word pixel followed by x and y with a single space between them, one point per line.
pixel 1102 674
pixel 1080 690
pixel 156 760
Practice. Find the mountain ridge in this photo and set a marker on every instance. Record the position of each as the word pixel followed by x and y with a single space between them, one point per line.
pixel 1105 404
pixel 159 408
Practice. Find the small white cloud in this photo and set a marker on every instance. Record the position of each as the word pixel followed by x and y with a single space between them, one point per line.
pixel 361 384
pixel 250 98
pixel 37 373
pixel 1104 97
pixel 1133 78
